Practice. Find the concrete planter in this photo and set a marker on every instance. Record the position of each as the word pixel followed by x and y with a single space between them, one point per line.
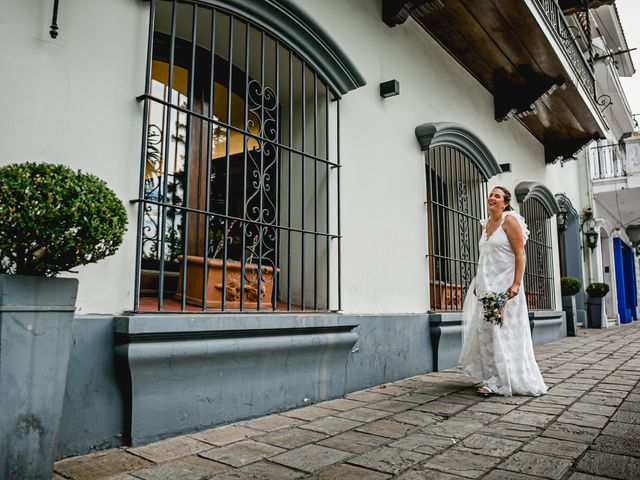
pixel 569 307
pixel 594 306
pixel 36 318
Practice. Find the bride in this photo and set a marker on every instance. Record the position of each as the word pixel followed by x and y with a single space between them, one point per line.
pixel 501 356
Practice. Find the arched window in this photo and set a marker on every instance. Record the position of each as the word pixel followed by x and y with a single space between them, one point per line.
pixel 457 167
pixel 538 206
pixel 240 166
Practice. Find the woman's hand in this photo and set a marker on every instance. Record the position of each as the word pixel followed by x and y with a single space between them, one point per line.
pixel 513 290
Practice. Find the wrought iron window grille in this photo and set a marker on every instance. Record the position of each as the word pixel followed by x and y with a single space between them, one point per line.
pixel 240 170
pixel 538 273
pixel 456 194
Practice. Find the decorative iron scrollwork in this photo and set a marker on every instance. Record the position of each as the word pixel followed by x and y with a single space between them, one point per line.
pixel 260 206
pixel 604 101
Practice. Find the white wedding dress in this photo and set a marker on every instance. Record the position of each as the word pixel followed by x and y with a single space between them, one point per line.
pixel 501 357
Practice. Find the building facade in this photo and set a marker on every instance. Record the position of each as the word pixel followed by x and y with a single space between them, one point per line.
pixel 304 182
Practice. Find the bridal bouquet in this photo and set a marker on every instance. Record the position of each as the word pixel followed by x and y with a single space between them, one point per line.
pixel 493 305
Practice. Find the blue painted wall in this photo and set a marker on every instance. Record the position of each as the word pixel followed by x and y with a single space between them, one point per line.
pixel 625 281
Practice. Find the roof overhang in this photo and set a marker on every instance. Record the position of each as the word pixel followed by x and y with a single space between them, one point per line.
pixel 536 73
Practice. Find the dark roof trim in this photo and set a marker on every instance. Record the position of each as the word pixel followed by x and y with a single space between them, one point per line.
pixel 454 135
pixel 298 29
pixel 537 191
pixel 564 203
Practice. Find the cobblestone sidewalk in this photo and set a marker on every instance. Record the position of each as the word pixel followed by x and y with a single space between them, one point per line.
pixel 431 426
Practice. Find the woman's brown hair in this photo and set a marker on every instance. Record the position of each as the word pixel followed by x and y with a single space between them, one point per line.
pixel 507 198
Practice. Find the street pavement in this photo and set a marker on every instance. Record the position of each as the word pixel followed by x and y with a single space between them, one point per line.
pixel 432 426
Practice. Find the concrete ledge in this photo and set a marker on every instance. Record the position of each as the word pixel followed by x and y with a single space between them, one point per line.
pixel 187 373
pixel 547 326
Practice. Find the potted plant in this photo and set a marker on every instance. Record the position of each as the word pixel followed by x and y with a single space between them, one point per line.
pixel 569 287
pixel 594 303
pixel 241 282
pixel 52 219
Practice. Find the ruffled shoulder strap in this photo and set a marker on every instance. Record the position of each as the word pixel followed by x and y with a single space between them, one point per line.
pixel 520 219
pixel 483 222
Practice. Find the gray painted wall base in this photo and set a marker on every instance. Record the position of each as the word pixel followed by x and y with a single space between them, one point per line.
pixel 446 339
pixel 547 326
pixel 189 373
pixel 181 373
pixel 93 414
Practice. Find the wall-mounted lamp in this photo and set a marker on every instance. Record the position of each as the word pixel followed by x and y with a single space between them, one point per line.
pixel 54 21
pixel 390 88
pixel 561 220
pixel 592 238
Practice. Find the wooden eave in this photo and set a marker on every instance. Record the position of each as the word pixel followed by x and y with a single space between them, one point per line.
pixel 503 46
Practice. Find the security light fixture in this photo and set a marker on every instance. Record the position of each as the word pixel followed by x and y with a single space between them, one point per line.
pixel 561 219
pixel 390 88
pixel 592 238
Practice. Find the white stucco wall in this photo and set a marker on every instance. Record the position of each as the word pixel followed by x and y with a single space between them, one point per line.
pixel 72 100
pixel 386 271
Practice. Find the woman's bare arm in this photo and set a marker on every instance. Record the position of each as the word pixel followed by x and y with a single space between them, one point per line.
pixel 516 240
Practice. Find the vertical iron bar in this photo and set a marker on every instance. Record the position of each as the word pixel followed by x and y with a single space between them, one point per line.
pixel 289 182
pixel 247 41
pixel 209 158
pixel 261 177
pixel 339 206
pixel 276 229
pixel 328 188
pixel 143 157
pixel 167 140
pixel 227 172
pixel 187 160
pixel 304 158
pixel 437 268
pixel 429 220
pixel 315 192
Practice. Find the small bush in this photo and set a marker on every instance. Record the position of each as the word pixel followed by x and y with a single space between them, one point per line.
pixel 53 219
pixel 569 286
pixel 597 290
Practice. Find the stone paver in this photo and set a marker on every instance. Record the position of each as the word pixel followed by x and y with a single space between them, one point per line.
pixel 311 457
pixel 242 453
pixel 388 460
pixel 170 449
pixel 354 442
pixel 291 437
pixel 428 427
pixel 265 470
pixel 463 463
pixel 349 472
pixel 332 425
pixel 423 443
pixel 225 435
pixel 99 465
pixel 537 465
pixel 308 413
pixel 188 468
pixel 610 465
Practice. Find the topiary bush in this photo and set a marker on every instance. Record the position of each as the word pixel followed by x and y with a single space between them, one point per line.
pixel 569 286
pixel 597 290
pixel 53 219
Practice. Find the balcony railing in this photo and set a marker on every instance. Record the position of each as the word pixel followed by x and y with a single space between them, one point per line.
pixel 607 161
pixel 558 23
